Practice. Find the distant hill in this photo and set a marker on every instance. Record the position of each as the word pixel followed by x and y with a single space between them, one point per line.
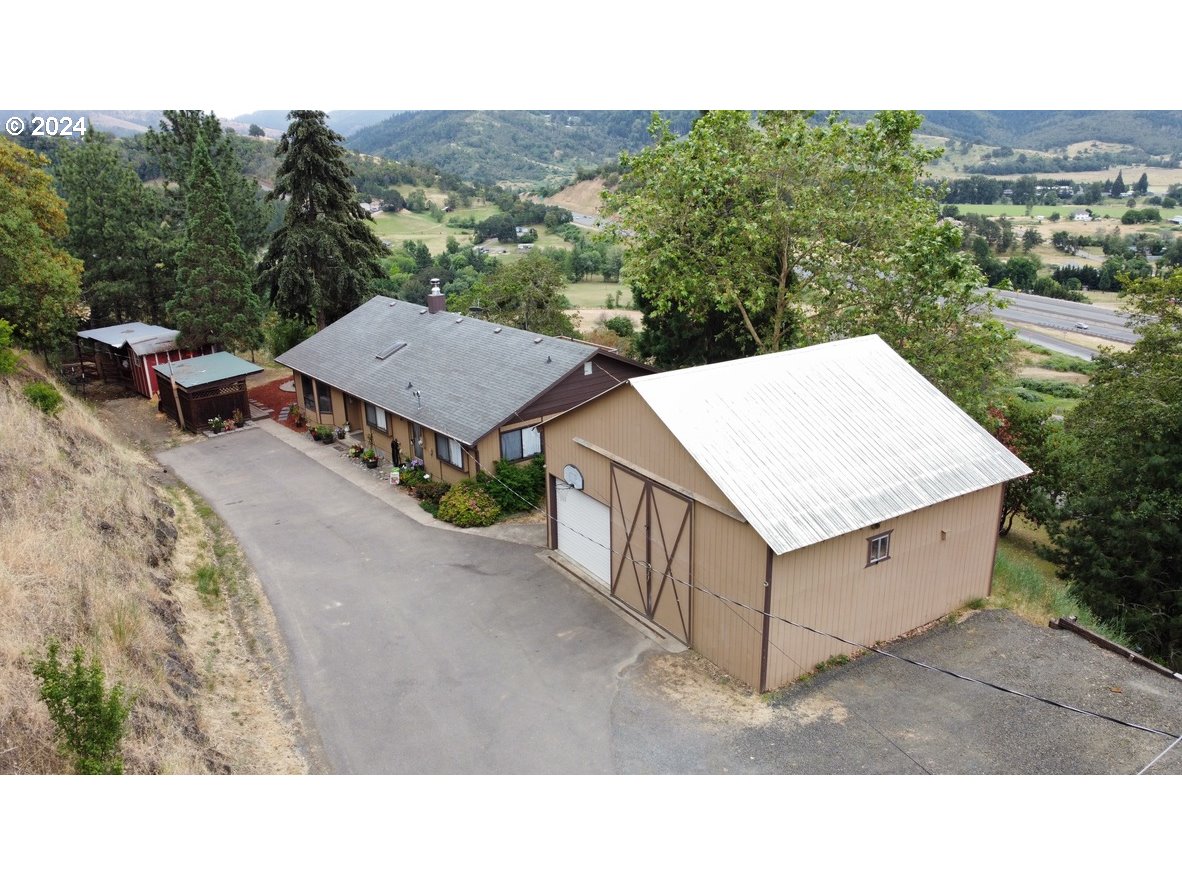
pixel 344 122
pixel 512 147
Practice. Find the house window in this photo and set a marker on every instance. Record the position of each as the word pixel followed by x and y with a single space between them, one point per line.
pixel 449 450
pixel 309 395
pixel 324 394
pixel 878 548
pixel 520 443
pixel 587 367
pixel 375 418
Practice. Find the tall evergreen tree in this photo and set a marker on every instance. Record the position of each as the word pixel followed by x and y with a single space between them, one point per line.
pixel 173 146
pixel 1142 186
pixel 1118 186
pixel 323 256
pixel 214 301
pixel 118 231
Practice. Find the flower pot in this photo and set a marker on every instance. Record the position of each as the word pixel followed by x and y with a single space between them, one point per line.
pixel 371 463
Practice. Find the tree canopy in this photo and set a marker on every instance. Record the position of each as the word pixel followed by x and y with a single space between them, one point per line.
pixel 40 282
pixel 804 233
pixel 322 259
pixel 119 232
pixel 1119 531
pixel 214 301
pixel 526 294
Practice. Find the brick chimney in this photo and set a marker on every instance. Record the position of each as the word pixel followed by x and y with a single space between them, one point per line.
pixel 436 301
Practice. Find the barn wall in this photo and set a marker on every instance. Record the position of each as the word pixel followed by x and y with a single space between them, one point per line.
pixel 729 558
pixel 829 586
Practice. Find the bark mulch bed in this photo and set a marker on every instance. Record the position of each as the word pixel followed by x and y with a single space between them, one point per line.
pixel 269 395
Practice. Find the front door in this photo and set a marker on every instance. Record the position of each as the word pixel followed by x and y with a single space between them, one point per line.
pixel 651 545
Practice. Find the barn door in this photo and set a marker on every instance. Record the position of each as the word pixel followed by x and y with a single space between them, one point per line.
pixel 651 538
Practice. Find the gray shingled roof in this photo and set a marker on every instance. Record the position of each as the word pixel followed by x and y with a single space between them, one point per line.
pixel 470 378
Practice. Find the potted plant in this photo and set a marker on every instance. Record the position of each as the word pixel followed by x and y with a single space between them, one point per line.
pixel 370 458
pixel 324 434
pixel 340 433
pixel 297 415
pixel 355 450
pixel 217 424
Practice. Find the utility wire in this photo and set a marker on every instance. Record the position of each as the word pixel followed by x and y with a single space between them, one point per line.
pixel 1159 756
pixel 854 643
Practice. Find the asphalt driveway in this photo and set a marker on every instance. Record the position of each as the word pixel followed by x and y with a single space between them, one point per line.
pixel 420 650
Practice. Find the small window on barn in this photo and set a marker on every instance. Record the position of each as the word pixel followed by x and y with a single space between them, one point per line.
pixel 309 396
pixel 878 548
pixel 588 367
pixel 375 418
pixel 520 443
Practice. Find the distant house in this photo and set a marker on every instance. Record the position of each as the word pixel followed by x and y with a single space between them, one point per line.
pixel 1176 220
pixel 831 487
pixel 455 391
pixel 127 353
pixel 1082 215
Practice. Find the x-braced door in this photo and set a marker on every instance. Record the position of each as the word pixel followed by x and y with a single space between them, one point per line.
pixel 652 550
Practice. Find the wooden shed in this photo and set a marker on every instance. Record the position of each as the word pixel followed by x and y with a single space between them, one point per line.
pixel 201 388
pixel 737 505
pixel 128 353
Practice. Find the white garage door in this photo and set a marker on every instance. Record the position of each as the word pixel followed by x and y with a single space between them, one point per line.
pixel 584 531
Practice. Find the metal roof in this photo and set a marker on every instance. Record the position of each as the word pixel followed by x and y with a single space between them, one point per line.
pixel 142 337
pixel 817 442
pixel 210 368
pixel 457 375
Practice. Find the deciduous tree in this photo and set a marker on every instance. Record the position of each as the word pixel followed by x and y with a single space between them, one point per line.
pixel 526 294
pixel 320 261
pixel 40 282
pixel 1119 532
pixel 806 233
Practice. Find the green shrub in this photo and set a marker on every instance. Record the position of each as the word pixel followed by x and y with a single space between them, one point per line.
pixel 621 326
pixel 1065 363
pixel 283 335
pixel 467 504
pixel 1064 389
pixel 7 355
pixel 431 491
pixel 44 396
pixel 89 721
pixel 516 487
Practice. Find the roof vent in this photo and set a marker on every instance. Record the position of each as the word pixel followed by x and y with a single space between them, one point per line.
pixel 423 311
pixel 497 330
pixel 394 348
pixel 538 340
pixel 409 385
pixel 459 319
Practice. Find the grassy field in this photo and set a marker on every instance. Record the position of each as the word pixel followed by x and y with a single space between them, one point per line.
pixel 398 227
pixel 1113 210
pixel 588 294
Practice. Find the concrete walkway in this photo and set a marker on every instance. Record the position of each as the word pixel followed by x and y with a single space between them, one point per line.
pixel 377 483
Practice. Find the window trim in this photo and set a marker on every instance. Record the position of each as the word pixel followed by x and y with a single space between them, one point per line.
pixel 453 445
pixel 521 439
pixel 384 427
pixel 323 394
pixel 884 537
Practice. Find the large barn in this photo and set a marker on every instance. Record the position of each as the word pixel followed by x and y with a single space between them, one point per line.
pixel 831 486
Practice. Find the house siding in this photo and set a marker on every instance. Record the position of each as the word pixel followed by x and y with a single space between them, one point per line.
pixel 576 388
pixel 828 585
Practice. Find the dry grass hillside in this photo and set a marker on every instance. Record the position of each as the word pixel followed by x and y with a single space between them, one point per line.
pixel 96 551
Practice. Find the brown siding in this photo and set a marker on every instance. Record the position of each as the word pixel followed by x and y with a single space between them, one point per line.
pixel 828 586
pixel 576 388
pixel 729 559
